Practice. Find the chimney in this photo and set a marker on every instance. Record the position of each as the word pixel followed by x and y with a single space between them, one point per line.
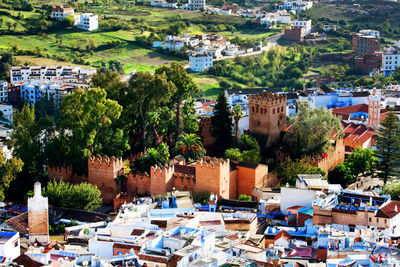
pixel 395 208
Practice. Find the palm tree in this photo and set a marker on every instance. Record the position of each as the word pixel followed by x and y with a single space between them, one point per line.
pixel 237 115
pixel 190 146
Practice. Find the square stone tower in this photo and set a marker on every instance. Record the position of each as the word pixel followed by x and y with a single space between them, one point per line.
pixel 267 115
pixel 38 217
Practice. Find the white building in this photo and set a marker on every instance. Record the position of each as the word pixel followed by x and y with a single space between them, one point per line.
pixel 283 17
pixel 296 197
pixel 306 24
pixel 373 33
pixel 3 92
pixel 87 21
pixel 163 4
pixel 7 112
pixel 60 12
pixel 330 27
pixel 391 60
pixel 48 73
pixel 9 246
pixel 176 43
pixel 38 217
pixel 269 21
pixel 200 62
pixel 296 5
pixel 197 4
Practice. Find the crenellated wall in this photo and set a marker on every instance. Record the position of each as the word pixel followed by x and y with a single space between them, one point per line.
pixel 267 115
pixel 333 157
pixel 161 179
pixel 213 175
pixel 102 171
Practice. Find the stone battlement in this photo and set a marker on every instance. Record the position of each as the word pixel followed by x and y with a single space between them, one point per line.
pixel 268 99
pixel 100 160
pixel 212 162
pixel 159 170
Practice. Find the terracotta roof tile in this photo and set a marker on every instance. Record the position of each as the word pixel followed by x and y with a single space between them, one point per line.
pixel 19 223
pixel 283 234
pixel 389 210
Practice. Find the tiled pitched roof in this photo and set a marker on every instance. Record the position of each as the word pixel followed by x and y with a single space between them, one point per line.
pixel 345 112
pixel 19 223
pixel 28 260
pixel 389 210
pixel 283 234
pixel 357 132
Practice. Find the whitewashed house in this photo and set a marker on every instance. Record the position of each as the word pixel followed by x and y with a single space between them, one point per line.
pixel 87 21
pixel 3 91
pixel 9 246
pixel 60 12
pixel 306 24
pixel 296 5
pixel 391 60
pixel 373 33
pixel 200 62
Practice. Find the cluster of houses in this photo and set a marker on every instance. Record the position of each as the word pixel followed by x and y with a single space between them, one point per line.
pixel 313 223
pixel 86 21
pixel 191 5
pixel 202 49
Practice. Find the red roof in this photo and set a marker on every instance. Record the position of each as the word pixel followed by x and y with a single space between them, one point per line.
pixel 283 234
pixel 345 112
pixel 295 207
pixel 389 210
pixel 357 132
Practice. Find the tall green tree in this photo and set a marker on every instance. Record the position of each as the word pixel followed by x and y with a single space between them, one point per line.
pixel 388 146
pixel 221 126
pixel 82 196
pixel 111 82
pixel 152 157
pixel 190 120
pixel 361 161
pixel 237 115
pixel 8 173
pixel 27 146
pixel 145 93
pixel 87 121
pixel 288 170
pixel 184 86
pixel 341 174
pixel 190 146
pixel 312 130
pixel 392 189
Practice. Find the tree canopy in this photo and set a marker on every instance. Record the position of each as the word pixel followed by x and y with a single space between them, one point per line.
pixel 388 146
pixel 221 126
pixel 288 170
pixel 312 130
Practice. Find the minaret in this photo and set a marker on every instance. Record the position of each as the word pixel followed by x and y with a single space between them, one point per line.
pixel 374 111
pixel 38 217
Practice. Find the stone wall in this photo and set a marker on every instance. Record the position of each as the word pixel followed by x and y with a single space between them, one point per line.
pixel 102 171
pixel 267 115
pixel 333 157
pixel 213 175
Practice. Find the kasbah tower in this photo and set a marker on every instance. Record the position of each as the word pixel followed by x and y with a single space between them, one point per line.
pixel 267 115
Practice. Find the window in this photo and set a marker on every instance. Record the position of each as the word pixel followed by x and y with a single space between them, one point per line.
pixel 370 219
pixel 281 109
pixel 273 111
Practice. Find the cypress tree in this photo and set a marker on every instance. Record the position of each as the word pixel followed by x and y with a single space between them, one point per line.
pixel 221 126
pixel 388 146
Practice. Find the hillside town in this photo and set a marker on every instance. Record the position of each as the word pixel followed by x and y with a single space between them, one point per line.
pixel 199 133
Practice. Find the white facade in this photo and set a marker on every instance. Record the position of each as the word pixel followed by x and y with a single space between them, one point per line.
pixel 48 73
pixel 330 27
pixel 60 13
pixel 306 24
pixel 373 33
pixel 195 5
pixel 38 205
pixel 7 112
pixel 282 242
pixel 87 21
pixel 283 17
pixel 269 22
pixel 200 62
pixel 391 60
pixel 296 5
pixel 3 92
pixel 163 4
pixel 296 197
pixel 9 245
